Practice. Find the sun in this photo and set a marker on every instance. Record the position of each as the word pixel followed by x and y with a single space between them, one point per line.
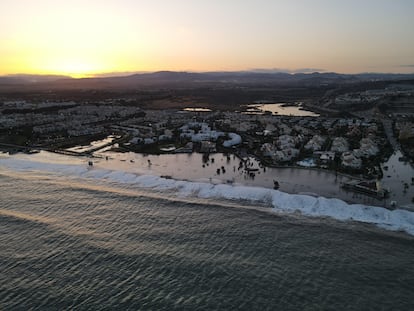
pixel 76 69
pixel 73 67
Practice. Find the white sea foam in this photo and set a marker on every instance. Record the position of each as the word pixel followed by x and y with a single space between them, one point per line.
pixel 280 202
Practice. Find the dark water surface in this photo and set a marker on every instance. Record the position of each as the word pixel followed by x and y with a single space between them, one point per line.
pixel 75 245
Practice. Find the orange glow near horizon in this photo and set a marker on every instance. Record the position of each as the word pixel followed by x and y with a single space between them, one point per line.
pixel 76 68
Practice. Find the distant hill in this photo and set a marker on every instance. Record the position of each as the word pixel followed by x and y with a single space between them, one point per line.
pixel 28 79
pixel 175 79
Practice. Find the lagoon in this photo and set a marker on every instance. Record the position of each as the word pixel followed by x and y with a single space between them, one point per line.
pixel 282 109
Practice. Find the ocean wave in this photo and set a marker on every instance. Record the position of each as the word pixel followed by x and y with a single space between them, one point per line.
pixel 396 220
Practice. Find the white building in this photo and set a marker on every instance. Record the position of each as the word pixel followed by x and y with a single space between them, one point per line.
pixel 234 140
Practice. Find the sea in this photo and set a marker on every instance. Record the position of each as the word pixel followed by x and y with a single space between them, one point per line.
pixel 74 237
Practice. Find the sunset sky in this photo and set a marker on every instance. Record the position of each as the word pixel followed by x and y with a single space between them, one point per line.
pixel 80 38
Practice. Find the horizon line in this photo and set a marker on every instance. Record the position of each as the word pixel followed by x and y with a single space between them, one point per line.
pixel 259 71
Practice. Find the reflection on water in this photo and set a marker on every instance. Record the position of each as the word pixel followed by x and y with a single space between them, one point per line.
pixel 281 109
pixel 397 178
pixel 197 109
pixel 195 167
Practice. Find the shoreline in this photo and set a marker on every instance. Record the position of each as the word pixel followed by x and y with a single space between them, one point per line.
pixel 351 197
pixel 113 172
pixel 160 165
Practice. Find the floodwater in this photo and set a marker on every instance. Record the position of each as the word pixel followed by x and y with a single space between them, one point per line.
pixel 194 167
pixel 397 178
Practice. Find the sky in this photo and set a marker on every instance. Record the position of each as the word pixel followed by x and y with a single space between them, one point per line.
pixel 83 38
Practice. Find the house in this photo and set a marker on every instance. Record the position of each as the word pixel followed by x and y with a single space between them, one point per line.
pixel 315 143
pixel 268 150
pixel 199 132
pixel 285 155
pixel 340 145
pixel 326 156
pixel 167 136
pixel 350 160
pixel 286 141
pixel 367 148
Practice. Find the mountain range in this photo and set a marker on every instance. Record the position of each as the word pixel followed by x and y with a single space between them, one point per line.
pixel 176 79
